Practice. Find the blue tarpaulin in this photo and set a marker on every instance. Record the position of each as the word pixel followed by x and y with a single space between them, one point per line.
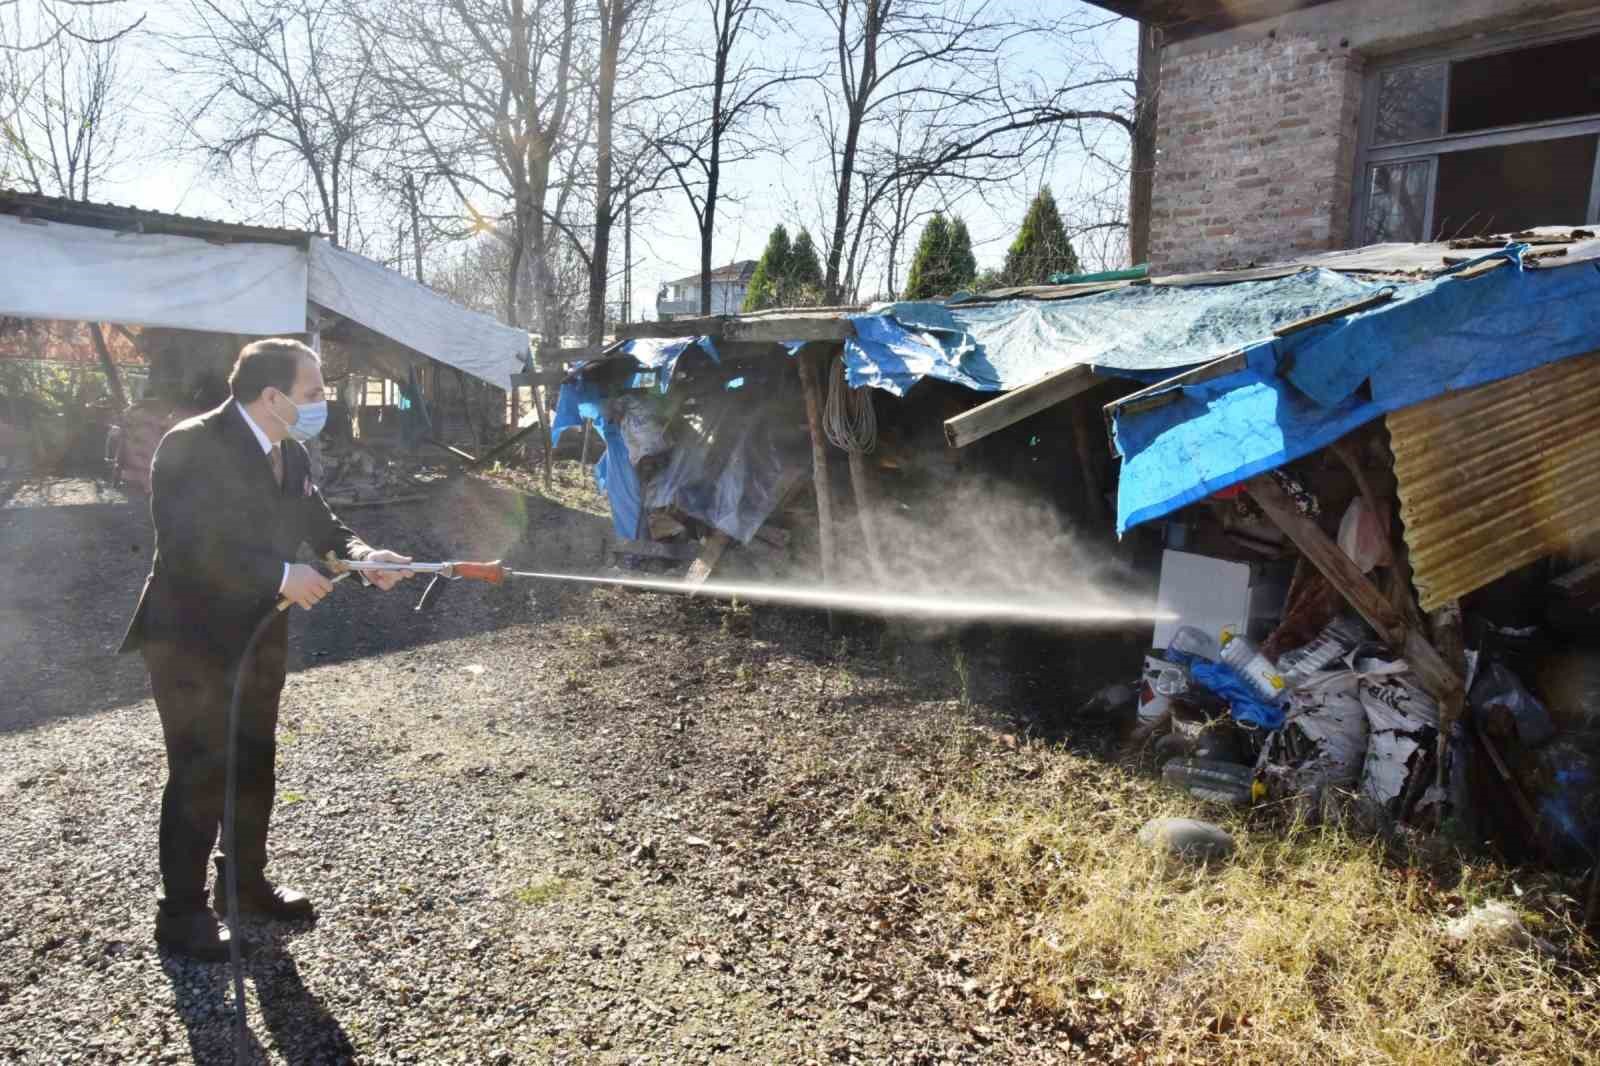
pixel 1143 331
pixel 1300 393
pixel 613 472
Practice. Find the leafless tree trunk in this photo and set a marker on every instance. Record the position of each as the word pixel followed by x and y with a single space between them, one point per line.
pixel 482 91
pixel 1142 167
pixel 736 89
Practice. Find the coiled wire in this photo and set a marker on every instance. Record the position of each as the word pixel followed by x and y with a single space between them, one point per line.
pixel 848 418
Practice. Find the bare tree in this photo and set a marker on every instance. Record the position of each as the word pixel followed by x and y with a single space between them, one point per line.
pixel 940 75
pixel 616 19
pixel 285 93
pixel 717 131
pixel 483 91
pixel 65 116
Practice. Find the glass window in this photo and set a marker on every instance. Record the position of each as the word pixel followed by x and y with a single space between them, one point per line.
pixel 1410 104
pixel 1397 201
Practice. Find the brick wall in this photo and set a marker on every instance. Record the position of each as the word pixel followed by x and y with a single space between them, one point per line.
pixel 1256 149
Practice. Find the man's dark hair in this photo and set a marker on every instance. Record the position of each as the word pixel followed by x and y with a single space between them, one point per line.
pixel 272 362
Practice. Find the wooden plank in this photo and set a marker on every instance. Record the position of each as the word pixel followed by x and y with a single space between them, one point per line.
pixel 506 445
pixel 1436 676
pixel 1166 391
pixel 453 450
pixel 1014 406
pixel 1382 296
pixel 701 568
pixel 1088 465
pixel 795 326
pixel 806 367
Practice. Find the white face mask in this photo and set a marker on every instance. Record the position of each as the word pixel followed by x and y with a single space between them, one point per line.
pixel 309 418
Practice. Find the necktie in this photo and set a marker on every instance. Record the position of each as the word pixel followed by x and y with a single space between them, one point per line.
pixel 276 455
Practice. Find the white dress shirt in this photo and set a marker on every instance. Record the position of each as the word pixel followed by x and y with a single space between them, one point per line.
pixel 266 449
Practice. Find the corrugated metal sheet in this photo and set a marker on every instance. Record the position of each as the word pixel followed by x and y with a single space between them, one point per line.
pixel 1495 477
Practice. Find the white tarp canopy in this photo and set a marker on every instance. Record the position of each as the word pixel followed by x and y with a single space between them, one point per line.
pixel 414 315
pixel 57 270
pixel 81 273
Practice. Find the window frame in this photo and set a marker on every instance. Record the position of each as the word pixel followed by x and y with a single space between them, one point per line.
pixel 1369 155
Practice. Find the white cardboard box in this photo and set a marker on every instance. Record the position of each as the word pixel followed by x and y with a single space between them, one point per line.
pixel 1201 591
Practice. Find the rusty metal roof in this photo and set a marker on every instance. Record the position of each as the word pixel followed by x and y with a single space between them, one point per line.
pixel 139 220
pixel 1493 478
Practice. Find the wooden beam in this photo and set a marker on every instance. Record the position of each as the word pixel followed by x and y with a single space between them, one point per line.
pixel 795 326
pixel 1444 684
pixel 1088 465
pixel 1166 391
pixel 1014 406
pixel 506 445
pixel 1382 296
pixel 700 569
pixel 806 367
pixel 533 378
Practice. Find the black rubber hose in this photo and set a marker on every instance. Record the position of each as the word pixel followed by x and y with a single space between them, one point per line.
pixel 230 865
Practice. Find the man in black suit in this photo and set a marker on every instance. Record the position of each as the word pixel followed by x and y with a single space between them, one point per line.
pixel 232 499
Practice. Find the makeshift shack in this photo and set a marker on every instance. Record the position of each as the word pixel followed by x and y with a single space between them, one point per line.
pixel 202 289
pixel 1380 455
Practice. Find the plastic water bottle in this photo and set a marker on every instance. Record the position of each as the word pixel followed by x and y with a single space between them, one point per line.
pixel 1195 641
pixel 1337 639
pixel 1258 671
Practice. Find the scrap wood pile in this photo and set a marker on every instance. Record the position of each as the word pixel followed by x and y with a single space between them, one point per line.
pixel 1294 701
pixel 359 475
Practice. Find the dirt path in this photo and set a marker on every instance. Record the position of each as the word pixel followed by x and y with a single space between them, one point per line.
pixel 542 825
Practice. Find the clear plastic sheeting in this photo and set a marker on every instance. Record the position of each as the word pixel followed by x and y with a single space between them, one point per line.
pixel 726 468
pixel 1137 329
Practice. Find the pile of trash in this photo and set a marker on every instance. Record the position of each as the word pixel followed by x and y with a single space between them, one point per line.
pixel 1342 718
pixel 352 473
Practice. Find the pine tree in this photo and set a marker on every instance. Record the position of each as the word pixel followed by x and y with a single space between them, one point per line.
pixel 771 272
pixel 803 285
pixel 963 264
pixel 944 263
pixel 1041 248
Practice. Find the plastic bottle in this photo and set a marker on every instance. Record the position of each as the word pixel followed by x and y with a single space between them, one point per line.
pixel 1337 639
pixel 1172 681
pixel 1195 641
pixel 1258 671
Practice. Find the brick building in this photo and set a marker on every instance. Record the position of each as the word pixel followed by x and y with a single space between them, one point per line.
pixel 1284 126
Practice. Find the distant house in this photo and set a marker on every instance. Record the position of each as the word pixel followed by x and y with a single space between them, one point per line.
pixel 1286 127
pixel 681 298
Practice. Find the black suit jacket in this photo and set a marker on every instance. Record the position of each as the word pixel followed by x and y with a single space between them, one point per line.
pixel 224 529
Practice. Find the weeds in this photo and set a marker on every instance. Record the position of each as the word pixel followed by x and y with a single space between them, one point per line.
pixel 1309 947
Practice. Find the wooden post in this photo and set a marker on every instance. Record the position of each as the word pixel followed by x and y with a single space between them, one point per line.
pixel 583 459
pixel 549 441
pixel 466 407
pixel 806 366
pixel 1443 683
pixel 1087 465
pixel 866 497
pixel 1446 625
pixel 109 365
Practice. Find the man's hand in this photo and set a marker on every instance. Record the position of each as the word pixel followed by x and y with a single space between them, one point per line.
pixel 305 586
pixel 387 579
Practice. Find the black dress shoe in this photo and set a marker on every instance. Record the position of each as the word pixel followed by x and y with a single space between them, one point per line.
pixel 197 934
pixel 260 897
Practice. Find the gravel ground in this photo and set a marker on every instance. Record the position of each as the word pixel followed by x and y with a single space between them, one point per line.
pixel 542 824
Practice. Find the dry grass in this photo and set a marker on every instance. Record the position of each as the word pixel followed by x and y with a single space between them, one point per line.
pixel 1310 946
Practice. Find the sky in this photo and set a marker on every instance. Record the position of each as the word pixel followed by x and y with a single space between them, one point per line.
pixel 780 187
